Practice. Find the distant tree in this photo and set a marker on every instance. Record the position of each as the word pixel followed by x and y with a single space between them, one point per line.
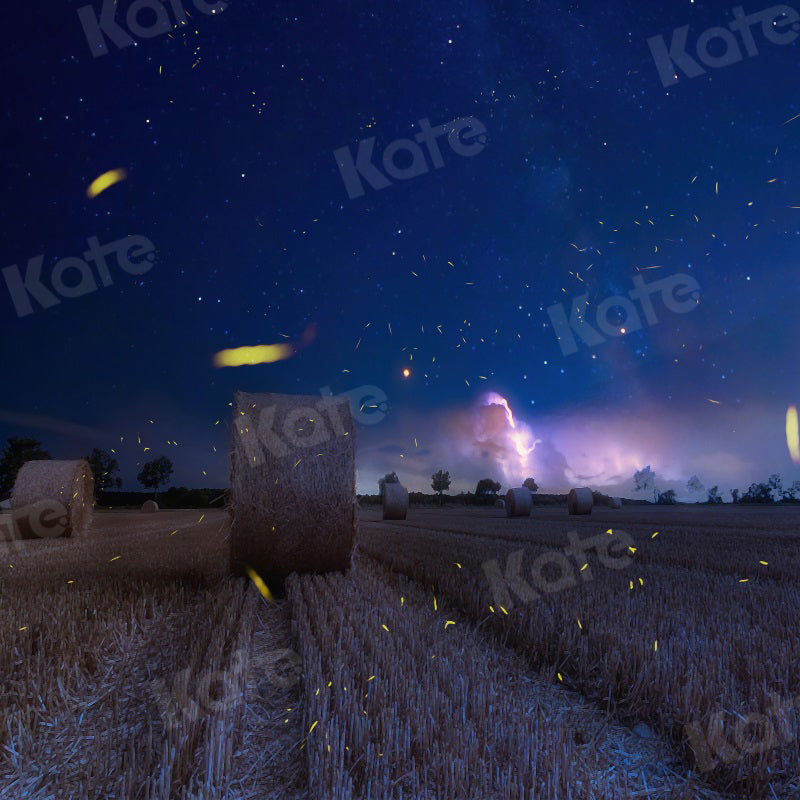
pixel 487 486
pixel 440 482
pixel 103 468
pixel 17 452
pixel 530 483
pixel 735 495
pixel 793 492
pixel 644 480
pixel 666 498
pixel 389 477
pixel 155 473
pixel 775 486
pixel 694 484
pixel 713 495
pixel 757 493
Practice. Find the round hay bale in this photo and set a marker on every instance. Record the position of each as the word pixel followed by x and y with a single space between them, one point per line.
pixel 395 501
pixel 53 499
pixel 499 503
pixel 616 502
pixel 519 502
pixel 580 501
pixel 149 507
pixel 292 499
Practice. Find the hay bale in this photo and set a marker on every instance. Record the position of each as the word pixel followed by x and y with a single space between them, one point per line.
pixel 519 502
pixel 53 499
pixel 395 501
pixel 580 501
pixel 292 499
pixel 616 502
pixel 149 507
pixel 499 503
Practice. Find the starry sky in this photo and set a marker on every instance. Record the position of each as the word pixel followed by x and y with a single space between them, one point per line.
pixel 576 173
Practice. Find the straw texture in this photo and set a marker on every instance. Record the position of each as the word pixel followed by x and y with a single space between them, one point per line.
pixel 519 502
pixel 580 501
pixel 67 486
pixel 292 497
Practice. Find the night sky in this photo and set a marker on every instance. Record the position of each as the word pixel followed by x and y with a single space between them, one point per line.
pixel 591 173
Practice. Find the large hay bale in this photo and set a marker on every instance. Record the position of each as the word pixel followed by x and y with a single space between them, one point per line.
pixel 149 507
pixel 47 485
pixel 580 501
pixel 499 503
pixel 292 496
pixel 519 502
pixel 395 501
pixel 616 502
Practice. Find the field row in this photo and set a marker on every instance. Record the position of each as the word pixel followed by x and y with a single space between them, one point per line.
pixel 651 627
pixel 404 698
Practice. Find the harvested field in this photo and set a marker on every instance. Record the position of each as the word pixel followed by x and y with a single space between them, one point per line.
pixel 133 667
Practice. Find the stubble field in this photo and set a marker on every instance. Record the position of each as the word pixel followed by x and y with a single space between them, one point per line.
pixel 646 652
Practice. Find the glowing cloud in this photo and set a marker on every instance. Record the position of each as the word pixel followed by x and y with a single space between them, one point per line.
pixel 519 435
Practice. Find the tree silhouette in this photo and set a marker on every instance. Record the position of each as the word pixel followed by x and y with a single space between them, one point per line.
pixel 389 477
pixel 155 473
pixel 666 498
pixel 530 483
pixel 775 486
pixel 713 495
pixel 103 468
pixel 18 451
pixel 487 486
pixel 757 493
pixel 440 482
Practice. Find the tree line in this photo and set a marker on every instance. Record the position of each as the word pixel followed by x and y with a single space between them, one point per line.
pixel 104 466
pixel 487 488
pixel 770 491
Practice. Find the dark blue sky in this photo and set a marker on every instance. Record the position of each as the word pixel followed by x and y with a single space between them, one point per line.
pixel 592 172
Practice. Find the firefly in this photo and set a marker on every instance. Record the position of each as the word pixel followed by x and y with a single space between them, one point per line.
pixel 406 372
pixel 792 436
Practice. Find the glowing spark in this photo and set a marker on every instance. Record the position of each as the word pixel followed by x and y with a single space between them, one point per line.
pixel 101 183
pixel 792 436
pixel 260 585
pixel 264 353
pixel 259 354
pixel 406 372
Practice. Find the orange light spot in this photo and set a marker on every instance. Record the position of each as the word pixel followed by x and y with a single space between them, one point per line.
pixel 406 372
